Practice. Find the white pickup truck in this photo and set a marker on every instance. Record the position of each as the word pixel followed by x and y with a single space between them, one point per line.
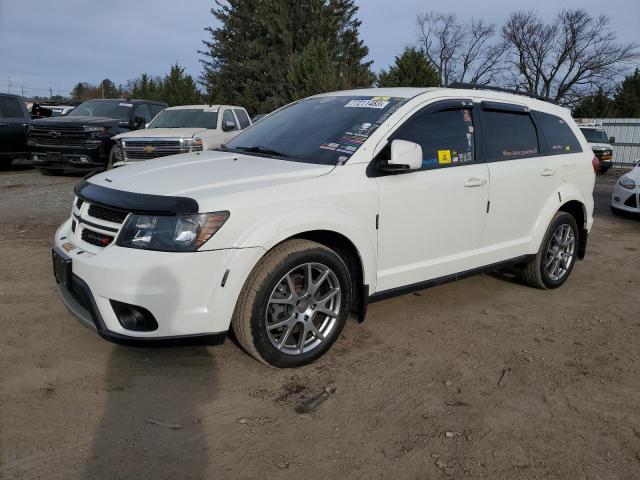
pixel 188 128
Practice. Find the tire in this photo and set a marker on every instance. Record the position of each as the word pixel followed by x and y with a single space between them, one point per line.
pixel 268 298
pixel 50 171
pixel 561 252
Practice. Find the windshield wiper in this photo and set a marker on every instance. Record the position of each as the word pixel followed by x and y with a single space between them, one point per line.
pixel 261 149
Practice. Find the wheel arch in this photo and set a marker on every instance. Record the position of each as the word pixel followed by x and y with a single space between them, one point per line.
pixel 578 211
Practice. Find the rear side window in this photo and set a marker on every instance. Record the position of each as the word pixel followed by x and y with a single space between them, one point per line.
pixel 243 118
pixel 558 136
pixel 10 108
pixel 227 116
pixel 446 137
pixel 508 135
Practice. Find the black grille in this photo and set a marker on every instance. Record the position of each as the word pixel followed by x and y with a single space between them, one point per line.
pixel 152 148
pixel 73 226
pixel 66 136
pixel 107 214
pixel 79 203
pixel 81 296
pixel 95 238
pixel 632 201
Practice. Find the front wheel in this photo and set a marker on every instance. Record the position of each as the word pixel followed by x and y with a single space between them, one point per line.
pixel 294 304
pixel 554 261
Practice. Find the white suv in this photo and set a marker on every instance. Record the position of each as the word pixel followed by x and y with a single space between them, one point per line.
pixel 325 205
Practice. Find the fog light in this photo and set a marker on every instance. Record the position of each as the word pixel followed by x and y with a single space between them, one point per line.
pixel 135 318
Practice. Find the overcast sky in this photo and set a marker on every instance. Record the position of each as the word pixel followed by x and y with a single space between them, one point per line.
pixel 55 44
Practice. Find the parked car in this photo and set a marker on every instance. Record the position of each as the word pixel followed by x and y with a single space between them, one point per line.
pixel 626 192
pixel 189 128
pixel 325 205
pixel 14 121
pixel 599 143
pixel 82 140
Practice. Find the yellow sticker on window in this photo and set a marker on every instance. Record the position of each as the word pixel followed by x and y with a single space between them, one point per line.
pixel 381 99
pixel 444 156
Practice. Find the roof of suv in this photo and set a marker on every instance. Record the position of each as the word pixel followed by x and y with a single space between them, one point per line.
pixel 210 108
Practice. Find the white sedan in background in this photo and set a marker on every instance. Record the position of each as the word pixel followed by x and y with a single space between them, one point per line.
pixel 626 192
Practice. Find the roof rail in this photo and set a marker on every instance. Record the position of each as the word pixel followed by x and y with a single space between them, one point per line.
pixel 477 86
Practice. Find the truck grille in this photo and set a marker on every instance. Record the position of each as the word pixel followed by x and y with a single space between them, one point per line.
pixel 95 225
pixel 58 136
pixel 146 149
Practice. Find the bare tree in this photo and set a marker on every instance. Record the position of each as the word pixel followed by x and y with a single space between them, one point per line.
pixel 567 59
pixel 460 52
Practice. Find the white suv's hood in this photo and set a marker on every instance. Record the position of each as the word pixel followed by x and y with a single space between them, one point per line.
pixel 162 133
pixel 206 175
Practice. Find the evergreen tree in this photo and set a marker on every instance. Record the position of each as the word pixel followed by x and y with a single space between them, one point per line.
pixel 145 87
pixel 410 69
pixel 180 89
pixel 627 98
pixel 267 53
pixel 79 93
pixel 598 105
pixel 108 89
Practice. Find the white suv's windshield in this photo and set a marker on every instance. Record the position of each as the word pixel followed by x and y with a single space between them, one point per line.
pixel 594 136
pixel 185 118
pixel 117 109
pixel 324 130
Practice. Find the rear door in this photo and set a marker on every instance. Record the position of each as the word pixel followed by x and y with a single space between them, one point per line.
pixel 431 220
pixel 522 178
pixel 228 118
pixel 13 125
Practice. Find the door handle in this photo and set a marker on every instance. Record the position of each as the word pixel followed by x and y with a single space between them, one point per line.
pixel 547 172
pixel 475 182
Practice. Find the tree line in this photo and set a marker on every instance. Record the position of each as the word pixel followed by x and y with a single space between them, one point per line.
pixel 263 54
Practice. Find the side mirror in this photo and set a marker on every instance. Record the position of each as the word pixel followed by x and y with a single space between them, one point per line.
pixel 612 139
pixel 138 122
pixel 404 156
pixel 146 125
pixel 228 125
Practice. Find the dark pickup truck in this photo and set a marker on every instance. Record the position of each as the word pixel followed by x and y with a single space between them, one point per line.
pixel 14 121
pixel 82 140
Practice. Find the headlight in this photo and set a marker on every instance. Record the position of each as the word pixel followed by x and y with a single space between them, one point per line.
pixel 195 144
pixel 627 182
pixel 178 233
pixel 95 129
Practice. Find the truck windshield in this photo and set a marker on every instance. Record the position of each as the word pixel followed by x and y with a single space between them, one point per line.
pixel 323 130
pixel 594 136
pixel 116 109
pixel 184 118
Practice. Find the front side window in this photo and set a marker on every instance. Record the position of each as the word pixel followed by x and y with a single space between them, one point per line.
pixel 227 116
pixel 10 108
pixel 185 118
pixel 243 118
pixel 143 111
pixel 558 135
pixel 116 109
pixel 325 130
pixel 446 137
pixel 508 135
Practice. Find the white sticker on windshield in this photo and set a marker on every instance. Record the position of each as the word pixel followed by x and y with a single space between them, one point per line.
pixel 376 102
pixel 126 105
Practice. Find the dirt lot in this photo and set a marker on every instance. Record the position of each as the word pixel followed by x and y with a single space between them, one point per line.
pixel 483 378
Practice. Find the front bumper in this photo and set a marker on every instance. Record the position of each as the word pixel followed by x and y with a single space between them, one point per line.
pixel 70 158
pixel 190 295
pixel 626 200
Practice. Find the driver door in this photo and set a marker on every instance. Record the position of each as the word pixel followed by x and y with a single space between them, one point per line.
pixel 431 220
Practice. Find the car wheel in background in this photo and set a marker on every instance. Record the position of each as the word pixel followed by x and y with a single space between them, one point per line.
pixel 294 304
pixel 556 257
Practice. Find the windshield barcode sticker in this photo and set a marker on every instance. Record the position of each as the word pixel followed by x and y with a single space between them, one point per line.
pixel 376 102
pixel 126 104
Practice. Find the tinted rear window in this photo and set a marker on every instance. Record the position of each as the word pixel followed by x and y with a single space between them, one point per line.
pixel 559 137
pixel 10 107
pixel 508 135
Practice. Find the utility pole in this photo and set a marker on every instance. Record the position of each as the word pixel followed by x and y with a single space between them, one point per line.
pixel 50 93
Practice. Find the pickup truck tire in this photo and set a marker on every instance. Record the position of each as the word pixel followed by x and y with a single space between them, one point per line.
pixel 284 320
pixel 556 257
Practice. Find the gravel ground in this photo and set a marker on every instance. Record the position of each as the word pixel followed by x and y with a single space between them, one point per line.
pixel 482 378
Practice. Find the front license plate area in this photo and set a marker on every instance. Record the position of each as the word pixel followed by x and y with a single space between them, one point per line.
pixel 62 269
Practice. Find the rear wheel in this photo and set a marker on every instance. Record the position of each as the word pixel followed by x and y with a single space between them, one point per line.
pixel 294 304
pixel 554 261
